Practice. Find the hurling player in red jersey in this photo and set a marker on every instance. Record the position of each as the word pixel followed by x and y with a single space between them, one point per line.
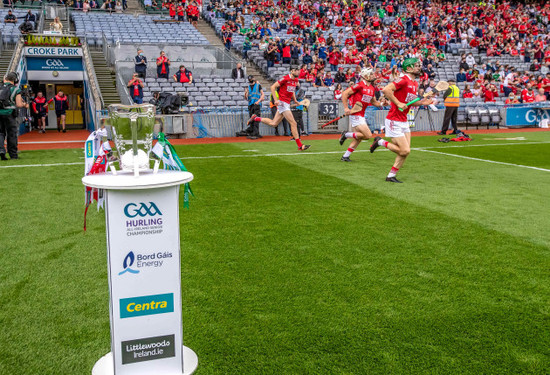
pixel 287 88
pixel 362 92
pixel 399 93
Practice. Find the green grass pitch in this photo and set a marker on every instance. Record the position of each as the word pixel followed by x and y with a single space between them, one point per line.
pixel 297 263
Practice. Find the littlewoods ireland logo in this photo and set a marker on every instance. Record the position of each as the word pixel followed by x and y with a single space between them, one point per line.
pixel 146 305
pixel 128 262
pixel 142 209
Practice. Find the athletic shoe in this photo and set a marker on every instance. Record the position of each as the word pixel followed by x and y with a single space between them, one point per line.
pixel 251 119
pixel 441 133
pixel 304 147
pixel 375 144
pixel 345 158
pixel 3 157
pixel 343 138
pixel 64 131
pixel 14 157
pixel 393 179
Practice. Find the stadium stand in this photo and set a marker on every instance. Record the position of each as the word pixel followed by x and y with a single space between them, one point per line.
pixel 128 28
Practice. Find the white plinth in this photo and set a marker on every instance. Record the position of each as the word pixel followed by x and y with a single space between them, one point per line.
pixel 146 180
pixel 105 365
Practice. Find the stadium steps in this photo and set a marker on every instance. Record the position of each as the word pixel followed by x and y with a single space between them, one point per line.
pixel 106 79
pixel 210 34
pixel 134 7
pixel 5 59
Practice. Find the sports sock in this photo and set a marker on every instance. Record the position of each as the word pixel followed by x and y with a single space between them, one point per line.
pixel 298 142
pixel 348 152
pixel 383 143
pixel 351 135
pixel 393 172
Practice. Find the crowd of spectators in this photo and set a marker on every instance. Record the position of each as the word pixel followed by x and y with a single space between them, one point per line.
pixel 81 5
pixel 328 37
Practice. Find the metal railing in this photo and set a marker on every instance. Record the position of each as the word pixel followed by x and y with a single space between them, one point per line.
pixel 203 60
pixel 16 57
pixel 90 71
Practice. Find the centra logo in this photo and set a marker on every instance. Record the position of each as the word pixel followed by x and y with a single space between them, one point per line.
pixel 141 209
pixel 146 305
pixel 128 262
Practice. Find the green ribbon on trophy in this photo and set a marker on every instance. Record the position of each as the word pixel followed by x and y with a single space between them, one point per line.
pixel 171 161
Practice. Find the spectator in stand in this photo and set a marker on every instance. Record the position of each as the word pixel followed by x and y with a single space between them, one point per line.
pixel 295 53
pixel 30 17
pixel 546 86
pixel 490 93
pixel 338 91
pixel 135 86
pixel 56 25
pixel 193 13
pixel 340 77
pixel 430 72
pixel 467 93
pixel 183 75
pixel 319 80
pixel 94 4
pixel 227 37
pixel 528 94
pixel 328 80
pixel 140 62
pixel 540 97
pixel 461 76
pixel 10 17
pixel 509 82
pixel 77 5
pixel 118 7
pixel 26 27
pixel 286 55
pixel 180 12
pixel 86 6
pixel 237 72
pixel 511 99
pixel 470 60
pixel 163 65
pixel 270 56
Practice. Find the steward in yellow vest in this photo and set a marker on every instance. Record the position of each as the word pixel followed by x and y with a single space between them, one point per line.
pixel 452 102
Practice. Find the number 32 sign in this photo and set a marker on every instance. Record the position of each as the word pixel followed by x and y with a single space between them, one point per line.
pixel 328 109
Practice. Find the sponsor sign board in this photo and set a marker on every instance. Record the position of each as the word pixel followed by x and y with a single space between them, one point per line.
pixel 144 281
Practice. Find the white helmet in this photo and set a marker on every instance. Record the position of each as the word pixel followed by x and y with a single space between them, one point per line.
pixel 367 74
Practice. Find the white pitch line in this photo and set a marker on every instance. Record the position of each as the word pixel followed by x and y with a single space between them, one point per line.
pixel 426 149
pixel 50 142
pixel 40 165
pixel 487 161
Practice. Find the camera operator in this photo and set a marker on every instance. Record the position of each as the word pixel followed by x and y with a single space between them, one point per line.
pixel 10 99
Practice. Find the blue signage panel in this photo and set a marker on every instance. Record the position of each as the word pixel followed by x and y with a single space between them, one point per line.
pixel 523 116
pixel 54 63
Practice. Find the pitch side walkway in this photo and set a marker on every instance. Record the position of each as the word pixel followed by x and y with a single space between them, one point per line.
pixel 76 138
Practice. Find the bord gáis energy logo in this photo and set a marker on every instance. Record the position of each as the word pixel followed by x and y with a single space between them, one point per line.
pixel 128 263
pixel 143 219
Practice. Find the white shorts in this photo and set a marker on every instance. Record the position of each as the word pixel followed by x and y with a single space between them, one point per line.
pixel 396 129
pixel 357 120
pixel 283 107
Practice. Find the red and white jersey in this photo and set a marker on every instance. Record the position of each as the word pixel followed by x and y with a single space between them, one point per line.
pixel 362 92
pixel 527 96
pixel 287 88
pixel 406 90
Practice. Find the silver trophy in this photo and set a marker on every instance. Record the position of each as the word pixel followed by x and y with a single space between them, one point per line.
pixel 132 128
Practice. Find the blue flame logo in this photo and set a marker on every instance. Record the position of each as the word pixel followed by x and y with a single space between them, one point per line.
pixel 128 262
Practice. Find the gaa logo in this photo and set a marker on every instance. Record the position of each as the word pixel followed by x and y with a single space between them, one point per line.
pixel 55 63
pixel 141 210
pixel 128 262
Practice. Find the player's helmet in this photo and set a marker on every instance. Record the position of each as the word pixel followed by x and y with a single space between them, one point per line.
pixel 367 74
pixel 408 63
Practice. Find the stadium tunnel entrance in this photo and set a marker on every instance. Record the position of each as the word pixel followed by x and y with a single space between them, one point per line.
pixel 50 70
